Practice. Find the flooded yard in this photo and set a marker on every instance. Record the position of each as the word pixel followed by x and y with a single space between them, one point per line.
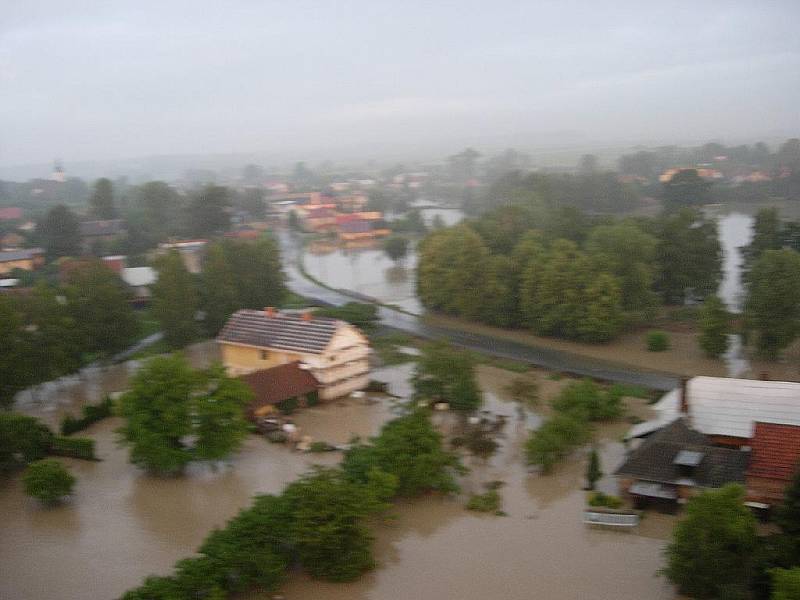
pixel 123 525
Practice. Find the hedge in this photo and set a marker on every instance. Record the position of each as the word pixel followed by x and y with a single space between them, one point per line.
pixel 73 447
pixel 91 414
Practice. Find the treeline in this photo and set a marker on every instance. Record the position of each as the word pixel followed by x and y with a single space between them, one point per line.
pixel 562 273
pixel 236 275
pixel 589 190
pixel 54 330
pixel 318 522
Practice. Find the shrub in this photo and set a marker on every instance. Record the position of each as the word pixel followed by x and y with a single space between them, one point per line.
pixel 488 502
pixel 91 414
pixel 604 500
pixel 657 341
pixel 73 447
pixel 587 399
pixel 288 406
pixel 556 438
pixel 312 398
pixel 23 439
pixel 48 481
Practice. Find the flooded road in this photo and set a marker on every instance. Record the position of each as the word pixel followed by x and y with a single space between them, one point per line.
pixel 123 525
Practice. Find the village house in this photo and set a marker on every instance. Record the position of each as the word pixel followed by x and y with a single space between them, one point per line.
pixel 192 253
pixel 335 352
pixel 674 463
pixel 140 280
pixel 27 259
pixel 94 233
pixel 274 387
pixel 754 418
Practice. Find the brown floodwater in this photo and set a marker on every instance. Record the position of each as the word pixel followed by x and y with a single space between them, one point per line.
pixel 122 525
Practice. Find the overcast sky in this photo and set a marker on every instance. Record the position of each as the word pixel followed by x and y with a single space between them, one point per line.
pixel 98 80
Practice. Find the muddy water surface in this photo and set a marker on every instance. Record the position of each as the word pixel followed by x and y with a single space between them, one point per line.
pixel 122 525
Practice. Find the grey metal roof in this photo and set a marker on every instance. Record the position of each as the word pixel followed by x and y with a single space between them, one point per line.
pixel 25 253
pixel 107 227
pixel 281 331
pixel 730 407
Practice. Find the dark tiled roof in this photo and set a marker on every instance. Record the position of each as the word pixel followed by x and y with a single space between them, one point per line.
pixel 23 254
pixel 281 331
pixel 109 227
pixel 654 459
pixel 280 383
pixel 776 451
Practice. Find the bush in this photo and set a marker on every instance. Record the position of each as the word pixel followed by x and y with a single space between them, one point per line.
pixel 91 414
pixel 657 341
pixel 23 439
pixel 288 406
pixel 555 439
pixel 48 481
pixel 312 398
pixel 363 316
pixel 588 400
pixel 73 447
pixel 488 502
pixel 604 500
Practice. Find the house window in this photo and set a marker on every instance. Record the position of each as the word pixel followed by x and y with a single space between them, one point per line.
pixel 264 354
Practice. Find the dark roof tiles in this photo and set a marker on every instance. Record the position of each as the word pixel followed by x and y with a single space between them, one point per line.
pixel 280 331
pixel 271 386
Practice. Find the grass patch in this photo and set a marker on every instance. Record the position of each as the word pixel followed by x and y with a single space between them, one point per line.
pixel 488 502
pixel 506 364
pixel 292 300
pixel 386 347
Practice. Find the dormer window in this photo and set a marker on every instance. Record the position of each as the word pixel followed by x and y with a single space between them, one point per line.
pixel 687 461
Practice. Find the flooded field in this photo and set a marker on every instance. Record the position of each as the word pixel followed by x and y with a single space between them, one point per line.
pixel 122 525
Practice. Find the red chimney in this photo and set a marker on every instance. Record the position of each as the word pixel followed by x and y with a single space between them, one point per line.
pixel 307 316
pixel 684 396
pixel 269 311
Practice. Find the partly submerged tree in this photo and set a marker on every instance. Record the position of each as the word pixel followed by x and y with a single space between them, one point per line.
pixel 444 374
pixel 48 481
pixel 714 327
pixel 711 554
pixel 593 470
pixel 174 414
pixel 396 247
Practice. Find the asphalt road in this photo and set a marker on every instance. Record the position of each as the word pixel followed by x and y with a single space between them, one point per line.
pixel 548 358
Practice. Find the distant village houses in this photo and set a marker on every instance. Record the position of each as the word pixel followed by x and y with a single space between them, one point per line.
pixel 27 259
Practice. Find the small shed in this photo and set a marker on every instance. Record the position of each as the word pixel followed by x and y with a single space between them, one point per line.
pixel 278 385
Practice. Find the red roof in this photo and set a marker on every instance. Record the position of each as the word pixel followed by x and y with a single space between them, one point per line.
pixel 280 383
pixel 11 213
pixel 775 451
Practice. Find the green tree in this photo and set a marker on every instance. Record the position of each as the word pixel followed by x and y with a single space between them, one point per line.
pixel 220 294
pixel 47 481
pixel 15 351
pixel 101 202
pixel 207 212
pixel 256 269
pixel 686 188
pixel 169 404
pixel 100 304
pixel 628 253
pixel 714 327
pixel 772 309
pixel 604 317
pixel 161 209
pixel 785 584
pixel 788 514
pixel 587 400
pixel 444 374
pixel 711 553
pixel 60 232
pixel 326 530
pixel 688 255
pixel 175 300
pixel 396 247
pixel 410 449
pixel 555 439
pixel 23 439
pixel 593 470
pixel 767 235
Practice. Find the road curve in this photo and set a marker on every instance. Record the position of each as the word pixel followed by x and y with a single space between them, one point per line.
pixel 547 358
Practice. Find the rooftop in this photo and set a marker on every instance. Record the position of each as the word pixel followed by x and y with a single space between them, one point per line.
pixel 271 386
pixel 23 254
pixel 139 276
pixel 660 459
pixel 281 330
pixel 775 451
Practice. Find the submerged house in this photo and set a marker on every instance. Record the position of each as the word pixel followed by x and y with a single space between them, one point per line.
pixel 335 352
pixel 675 462
pixel 751 420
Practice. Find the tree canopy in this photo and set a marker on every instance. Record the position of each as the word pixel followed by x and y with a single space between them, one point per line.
pixel 175 300
pixel 101 202
pixel 60 232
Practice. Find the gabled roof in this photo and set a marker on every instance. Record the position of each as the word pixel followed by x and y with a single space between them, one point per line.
pixel 281 331
pixel 655 460
pixel 139 276
pixel 776 451
pixel 107 227
pixel 271 386
pixel 730 407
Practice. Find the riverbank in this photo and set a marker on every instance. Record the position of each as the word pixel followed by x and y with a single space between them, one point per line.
pixel 684 357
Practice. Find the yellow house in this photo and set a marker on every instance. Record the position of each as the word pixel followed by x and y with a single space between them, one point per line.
pixel 335 352
pixel 28 259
